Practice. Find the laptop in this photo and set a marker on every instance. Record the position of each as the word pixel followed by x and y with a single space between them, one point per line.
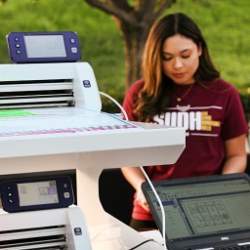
pixel 205 213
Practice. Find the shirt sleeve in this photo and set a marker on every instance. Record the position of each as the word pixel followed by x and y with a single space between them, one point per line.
pixel 235 121
pixel 129 100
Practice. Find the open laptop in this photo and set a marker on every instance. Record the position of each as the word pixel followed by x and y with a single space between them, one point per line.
pixel 211 212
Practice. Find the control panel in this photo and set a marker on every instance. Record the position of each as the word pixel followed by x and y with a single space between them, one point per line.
pixel 36 194
pixel 41 47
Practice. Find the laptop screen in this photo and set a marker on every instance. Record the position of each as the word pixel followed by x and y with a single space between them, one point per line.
pixel 203 206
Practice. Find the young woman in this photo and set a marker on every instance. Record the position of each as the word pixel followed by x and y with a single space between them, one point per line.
pixel 181 87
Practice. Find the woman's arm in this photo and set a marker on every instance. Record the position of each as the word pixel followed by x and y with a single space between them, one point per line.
pixel 235 155
pixel 135 177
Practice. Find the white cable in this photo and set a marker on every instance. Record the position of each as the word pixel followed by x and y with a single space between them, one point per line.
pixel 117 103
pixel 146 176
pixel 161 207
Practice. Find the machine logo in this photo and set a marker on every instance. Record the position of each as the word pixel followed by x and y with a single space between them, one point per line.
pixel 78 231
pixel 86 84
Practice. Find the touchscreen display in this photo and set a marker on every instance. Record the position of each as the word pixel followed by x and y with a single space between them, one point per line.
pixel 37 193
pixel 45 46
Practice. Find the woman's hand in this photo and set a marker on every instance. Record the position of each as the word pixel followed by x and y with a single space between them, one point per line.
pixel 235 155
pixel 135 177
pixel 140 198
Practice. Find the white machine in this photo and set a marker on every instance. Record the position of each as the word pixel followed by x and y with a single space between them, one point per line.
pixel 63 228
pixel 51 119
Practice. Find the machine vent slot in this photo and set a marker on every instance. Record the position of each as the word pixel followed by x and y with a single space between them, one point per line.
pixel 36 93
pixel 37 238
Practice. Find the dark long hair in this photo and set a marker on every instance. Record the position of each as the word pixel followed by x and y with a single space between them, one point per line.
pixel 152 98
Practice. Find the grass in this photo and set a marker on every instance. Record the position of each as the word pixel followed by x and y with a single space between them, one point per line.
pixel 225 25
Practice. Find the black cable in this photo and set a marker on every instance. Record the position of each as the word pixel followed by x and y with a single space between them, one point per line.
pixel 142 243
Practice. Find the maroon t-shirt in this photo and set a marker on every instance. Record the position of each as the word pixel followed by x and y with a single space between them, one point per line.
pixel 211 114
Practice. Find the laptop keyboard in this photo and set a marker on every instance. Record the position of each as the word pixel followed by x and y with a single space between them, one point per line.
pixel 241 246
pixel 234 248
pixel 244 246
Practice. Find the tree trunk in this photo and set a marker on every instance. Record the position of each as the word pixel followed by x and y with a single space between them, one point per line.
pixel 134 22
pixel 134 41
